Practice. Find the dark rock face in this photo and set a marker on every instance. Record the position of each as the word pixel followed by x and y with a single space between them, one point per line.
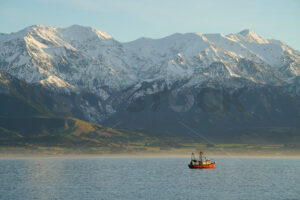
pixel 213 112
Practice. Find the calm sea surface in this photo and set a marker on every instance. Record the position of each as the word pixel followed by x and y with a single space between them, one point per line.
pixel 148 178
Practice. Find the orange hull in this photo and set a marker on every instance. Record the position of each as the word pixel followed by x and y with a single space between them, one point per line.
pixel 202 166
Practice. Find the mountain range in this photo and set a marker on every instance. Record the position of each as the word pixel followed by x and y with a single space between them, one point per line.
pixel 235 88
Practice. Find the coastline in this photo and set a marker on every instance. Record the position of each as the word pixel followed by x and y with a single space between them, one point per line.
pixel 170 154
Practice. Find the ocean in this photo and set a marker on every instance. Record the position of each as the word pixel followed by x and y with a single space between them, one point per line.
pixel 149 178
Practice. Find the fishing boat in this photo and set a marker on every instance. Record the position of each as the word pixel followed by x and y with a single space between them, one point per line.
pixel 201 163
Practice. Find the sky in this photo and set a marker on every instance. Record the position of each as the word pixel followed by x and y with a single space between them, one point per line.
pixel 127 20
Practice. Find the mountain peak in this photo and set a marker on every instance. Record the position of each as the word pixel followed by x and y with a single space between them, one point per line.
pixel 75 31
pixel 39 27
pixel 246 32
pixel 85 31
pixel 248 35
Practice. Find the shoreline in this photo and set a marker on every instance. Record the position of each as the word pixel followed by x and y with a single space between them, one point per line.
pixel 142 155
pixel 221 151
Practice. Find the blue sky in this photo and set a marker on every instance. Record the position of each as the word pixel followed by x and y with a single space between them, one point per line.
pixel 128 20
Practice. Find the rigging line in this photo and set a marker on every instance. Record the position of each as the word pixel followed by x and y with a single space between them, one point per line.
pixel 195 133
pixel 207 140
pixel 116 124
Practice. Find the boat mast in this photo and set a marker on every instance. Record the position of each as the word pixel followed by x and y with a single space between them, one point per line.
pixel 200 155
pixel 193 157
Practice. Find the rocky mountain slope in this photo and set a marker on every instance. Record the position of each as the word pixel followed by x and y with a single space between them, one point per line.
pixel 210 83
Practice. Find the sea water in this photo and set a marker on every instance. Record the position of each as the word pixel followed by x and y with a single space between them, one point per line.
pixel 148 178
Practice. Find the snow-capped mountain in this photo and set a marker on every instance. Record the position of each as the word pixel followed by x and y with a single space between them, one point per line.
pixel 83 57
pixel 94 74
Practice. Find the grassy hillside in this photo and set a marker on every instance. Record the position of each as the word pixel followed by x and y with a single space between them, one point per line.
pixel 47 131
